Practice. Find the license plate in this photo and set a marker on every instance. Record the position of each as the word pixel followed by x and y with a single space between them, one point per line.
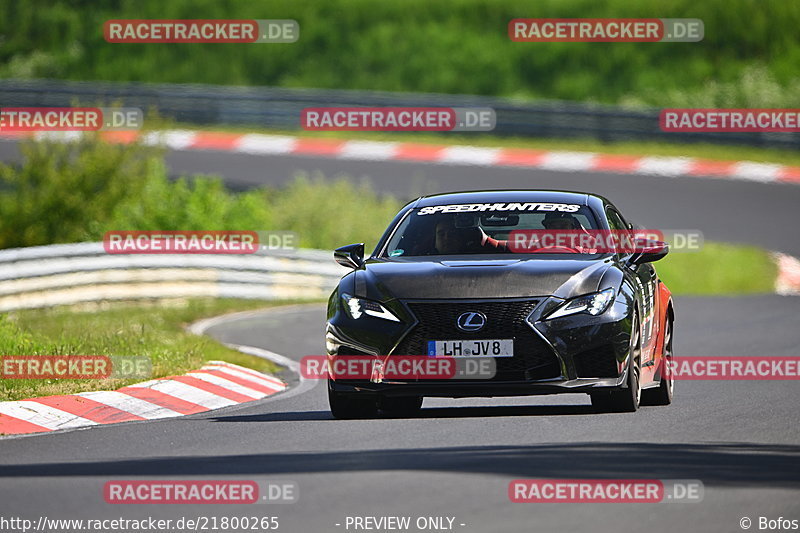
pixel 472 348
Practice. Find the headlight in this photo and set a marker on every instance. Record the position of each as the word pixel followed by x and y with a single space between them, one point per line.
pixel 594 304
pixel 358 307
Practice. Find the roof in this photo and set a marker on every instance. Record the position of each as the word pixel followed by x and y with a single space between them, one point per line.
pixel 529 195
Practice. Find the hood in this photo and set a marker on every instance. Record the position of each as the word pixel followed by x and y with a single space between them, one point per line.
pixel 385 279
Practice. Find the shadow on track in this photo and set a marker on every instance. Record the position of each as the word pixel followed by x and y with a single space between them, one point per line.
pixel 721 464
pixel 433 412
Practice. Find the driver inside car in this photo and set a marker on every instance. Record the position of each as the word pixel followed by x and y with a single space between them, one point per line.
pixel 570 226
pixel 450 239
pixel 561 221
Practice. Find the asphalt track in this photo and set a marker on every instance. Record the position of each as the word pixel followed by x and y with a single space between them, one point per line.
pixel 724 209
pixel 458 457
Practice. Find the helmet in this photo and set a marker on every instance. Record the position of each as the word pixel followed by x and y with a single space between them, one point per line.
pixel 561 216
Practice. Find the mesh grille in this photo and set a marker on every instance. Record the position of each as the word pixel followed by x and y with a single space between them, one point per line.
pixel 532 359
pixel 598 362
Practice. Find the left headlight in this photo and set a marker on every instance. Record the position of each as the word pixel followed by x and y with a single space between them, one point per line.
pixel 358 307
pixel 594 304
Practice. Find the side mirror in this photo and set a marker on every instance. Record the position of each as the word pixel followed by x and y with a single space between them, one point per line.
pixel 351 256
pixel 648 251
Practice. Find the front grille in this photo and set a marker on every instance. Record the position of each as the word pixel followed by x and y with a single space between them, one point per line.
pixel 598 362
pixel 533 359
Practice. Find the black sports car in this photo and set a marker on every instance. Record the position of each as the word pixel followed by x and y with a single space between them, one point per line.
pixel 445 282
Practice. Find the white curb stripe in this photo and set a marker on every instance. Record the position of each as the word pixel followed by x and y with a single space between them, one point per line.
pixel 43 415
pixel 271 384
pixel 664 166
pixel 129 404
pixel 256 143
pixel 173 139
pixel 189 393
pixel 63 136
pixel 250 371
pixel 788 280
pixel 568 161
pixel 469 155
pixel 762 172
pixel 227 384
pixel 368 150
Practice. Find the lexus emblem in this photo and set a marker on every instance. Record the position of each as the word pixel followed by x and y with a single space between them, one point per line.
pixel 471 321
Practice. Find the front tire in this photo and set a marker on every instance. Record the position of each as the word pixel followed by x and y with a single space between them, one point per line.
pixel 625 400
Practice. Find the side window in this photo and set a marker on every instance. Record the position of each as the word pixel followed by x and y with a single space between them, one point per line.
pixel 615 220
pixel 616 223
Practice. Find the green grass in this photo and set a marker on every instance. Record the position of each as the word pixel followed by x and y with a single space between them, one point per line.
pixel 719 269
pixel 155 331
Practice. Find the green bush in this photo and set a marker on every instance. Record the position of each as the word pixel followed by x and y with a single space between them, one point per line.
pixel 63 192
pixel 72 192
pixel 328 214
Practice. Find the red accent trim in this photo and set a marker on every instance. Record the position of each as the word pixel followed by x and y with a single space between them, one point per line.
pixel 663 302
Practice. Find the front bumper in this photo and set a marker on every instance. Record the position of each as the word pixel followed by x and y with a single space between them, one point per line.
pixel 573 354
pixel 470 389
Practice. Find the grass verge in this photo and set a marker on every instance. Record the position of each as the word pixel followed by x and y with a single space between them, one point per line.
pixel 134 329
pixel 719 269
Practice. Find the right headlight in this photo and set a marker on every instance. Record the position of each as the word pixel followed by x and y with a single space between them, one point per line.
pixel 358 307
pixel 593 304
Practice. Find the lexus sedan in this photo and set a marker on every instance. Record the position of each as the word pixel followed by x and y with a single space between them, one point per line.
pixel 514 288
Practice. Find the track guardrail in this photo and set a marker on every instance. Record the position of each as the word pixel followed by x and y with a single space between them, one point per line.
pixel 63 274
pixel 280 108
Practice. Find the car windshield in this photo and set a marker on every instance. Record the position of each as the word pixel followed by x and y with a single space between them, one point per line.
pixel 455 230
